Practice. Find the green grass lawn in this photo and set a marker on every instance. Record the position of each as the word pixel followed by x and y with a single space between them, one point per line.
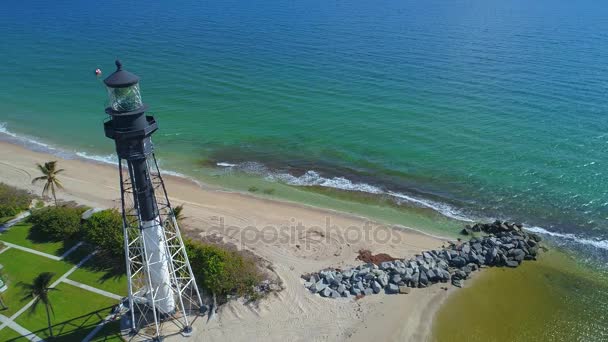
pixel 77 312
pixel 7 334
pixel 20 234
pixel 99 272
pixel 20 266
pixel 5 219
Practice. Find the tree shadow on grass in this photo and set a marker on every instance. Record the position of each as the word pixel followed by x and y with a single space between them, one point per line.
pixel 75 329
pixel 38 237
pixel 110 267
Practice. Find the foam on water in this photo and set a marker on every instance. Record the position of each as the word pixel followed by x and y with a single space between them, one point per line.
pixel 36 145
pixel 309 178
pixel 597 243
pixel 109 159
pixel 23 140
pixel 313 178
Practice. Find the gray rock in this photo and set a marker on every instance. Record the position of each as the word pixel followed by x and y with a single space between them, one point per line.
pixel 423 281
pixel 359 286
pixel 368 291
pixel 392 288
pixel 477 247
pixel 404 289
pixel 457 282
pixel 347 273
pixel 432 275
pixel 335 294
pixel 326 292
pixel 511 263
pixel 415 279
pixel 376 287
pixel 458 262
pixel 383 280
pixel 377 272
pixel 318 286
pixel 341 289
pixel 459 274
pixel 387 265
pixel 396 279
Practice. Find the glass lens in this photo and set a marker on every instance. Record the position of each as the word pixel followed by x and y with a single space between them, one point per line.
pixel 125 99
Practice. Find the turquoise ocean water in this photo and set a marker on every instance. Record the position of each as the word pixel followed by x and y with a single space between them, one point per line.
pixel 470 109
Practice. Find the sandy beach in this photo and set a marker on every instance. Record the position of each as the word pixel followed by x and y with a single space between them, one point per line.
pixel 294 238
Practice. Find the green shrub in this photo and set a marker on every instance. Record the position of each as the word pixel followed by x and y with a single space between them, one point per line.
pixel 104 230
pixel 57 223
pixel 13 200
pixel 223 271
pixel 268 191
pixel 252 189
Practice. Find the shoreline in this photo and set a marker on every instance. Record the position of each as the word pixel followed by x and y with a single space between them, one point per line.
pixel 570 241
pixel 321 242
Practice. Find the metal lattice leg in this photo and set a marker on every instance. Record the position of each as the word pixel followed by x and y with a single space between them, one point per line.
pixel 162 287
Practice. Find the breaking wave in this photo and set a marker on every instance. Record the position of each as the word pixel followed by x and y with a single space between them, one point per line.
pixel 314 178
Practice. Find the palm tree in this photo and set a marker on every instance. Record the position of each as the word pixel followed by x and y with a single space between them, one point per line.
pixel 39 291
pixel 49 175
pixel 178 212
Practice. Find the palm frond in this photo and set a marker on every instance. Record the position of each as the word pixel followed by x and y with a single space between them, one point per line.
pixel 42 168
pixel 58 184
pixel 32 309
pixel 38 179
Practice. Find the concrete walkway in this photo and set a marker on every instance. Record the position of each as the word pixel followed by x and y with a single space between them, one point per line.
pixel 64 255
pixel 62 278
pixel 33 251
pixel 14 221
pixel 24 332
pixel 46 255
pixel 99 326
pixel 10 322
pixel 92 289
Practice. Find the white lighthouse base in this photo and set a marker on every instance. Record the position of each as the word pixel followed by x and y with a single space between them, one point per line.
pixel 160 294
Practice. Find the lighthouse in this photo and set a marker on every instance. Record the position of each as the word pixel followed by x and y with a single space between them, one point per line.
pixel 161 283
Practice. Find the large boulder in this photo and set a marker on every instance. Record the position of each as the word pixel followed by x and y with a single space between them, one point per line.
pixel 458 262
pixel 376 287
pixel 424 280
pixel 319 286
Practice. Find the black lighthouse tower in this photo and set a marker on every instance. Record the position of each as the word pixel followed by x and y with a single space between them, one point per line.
pixel 161 283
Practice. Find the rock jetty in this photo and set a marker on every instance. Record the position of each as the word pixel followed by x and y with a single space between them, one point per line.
pixel 505 245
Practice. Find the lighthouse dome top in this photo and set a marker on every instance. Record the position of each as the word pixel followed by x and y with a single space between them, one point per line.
pixel 121 78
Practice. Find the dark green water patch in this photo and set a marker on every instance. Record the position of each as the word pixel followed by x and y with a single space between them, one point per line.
pixel 553 299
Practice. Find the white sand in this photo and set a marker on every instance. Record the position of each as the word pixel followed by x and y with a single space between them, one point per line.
pixel 294 313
